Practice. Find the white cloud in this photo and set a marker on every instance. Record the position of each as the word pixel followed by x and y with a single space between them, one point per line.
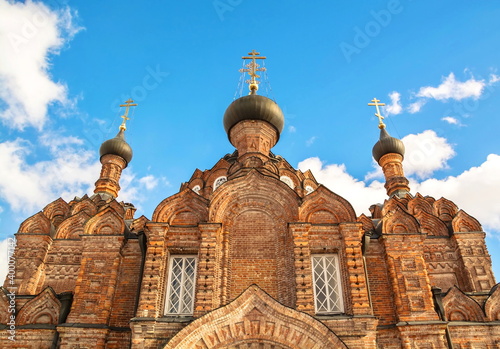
pixel 494 79
pixel 426 153
pixel 336 178
pixel 450 88
pixel 310 141
pixel 29 33
pixel 416 106
pixel 292 129
pixel 150 182
pixel 473 190
pixel 451 120
pixel 30 186
pixel 395 107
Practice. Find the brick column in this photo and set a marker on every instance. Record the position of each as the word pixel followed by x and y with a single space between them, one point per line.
pixel 30 253
pixel 205 295
pixel 408 276
pixel 303 272
pixel 353 233
pixel 94 292
pixel 472 250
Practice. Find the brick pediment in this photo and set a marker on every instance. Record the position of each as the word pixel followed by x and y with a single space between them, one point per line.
pixel 184 208
pixel 106 222
pixel 463 222
pixel 324 206
pixel 255 317
pixel 398 221
pixel 492 304
pixel 43 309
pixel 36 224
pixel 57 211
pixel 460 307
pixel 72 227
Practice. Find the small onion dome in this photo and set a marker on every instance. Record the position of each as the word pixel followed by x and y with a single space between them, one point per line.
pixel 387 145
pixel 254 107
pixel 117 146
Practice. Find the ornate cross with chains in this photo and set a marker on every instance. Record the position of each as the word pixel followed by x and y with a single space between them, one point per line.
pixel 252 68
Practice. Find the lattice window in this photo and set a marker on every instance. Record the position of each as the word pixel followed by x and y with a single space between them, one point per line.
pixel 219 181
pixel 181 285
pixel 327 287
pixel 288 181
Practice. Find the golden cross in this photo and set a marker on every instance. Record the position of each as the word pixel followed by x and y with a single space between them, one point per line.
pixel 252 69
pixel 128 103
pixel 377 114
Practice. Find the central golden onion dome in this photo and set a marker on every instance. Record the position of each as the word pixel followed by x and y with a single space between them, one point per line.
pixel 254 107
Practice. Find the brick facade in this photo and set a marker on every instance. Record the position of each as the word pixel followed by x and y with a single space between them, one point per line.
pixel 415 274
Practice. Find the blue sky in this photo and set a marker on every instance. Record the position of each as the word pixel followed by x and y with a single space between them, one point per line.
pixel 65 66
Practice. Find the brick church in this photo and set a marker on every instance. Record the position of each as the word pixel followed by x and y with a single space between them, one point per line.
pixel 252 253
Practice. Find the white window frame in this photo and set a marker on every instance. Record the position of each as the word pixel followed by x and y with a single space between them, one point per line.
pixel 180 310
pixel 219 181
pixel 288 181
pixel 332 288
pixel 197 189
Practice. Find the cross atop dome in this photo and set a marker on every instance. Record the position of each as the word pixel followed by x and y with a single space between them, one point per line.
pixel 128 103
pixel 375 102
pixel 252 68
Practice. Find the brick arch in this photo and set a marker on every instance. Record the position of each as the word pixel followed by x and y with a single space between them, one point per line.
pixel 36 224
pixel 255 317
pixel 57 211
pixel 106 222
pixel 72 227
pixel 398 221
pixel 184 208
pixel 463 222
pixel 85 204
pixel 492 304
pixel 324 206
pixel 460 307
pixel 367 223
pixel 431 225
pixel 445 209
pixel 43 309
pixel 419 204
pixel 255 187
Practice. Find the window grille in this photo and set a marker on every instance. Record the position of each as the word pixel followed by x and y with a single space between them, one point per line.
pixel 181 285
pixel 219 181
pixel 327 287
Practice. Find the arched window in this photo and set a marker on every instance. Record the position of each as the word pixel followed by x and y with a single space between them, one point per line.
pixel 219 181
pixel 309 189
pixel 197 189
pixel 288 181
